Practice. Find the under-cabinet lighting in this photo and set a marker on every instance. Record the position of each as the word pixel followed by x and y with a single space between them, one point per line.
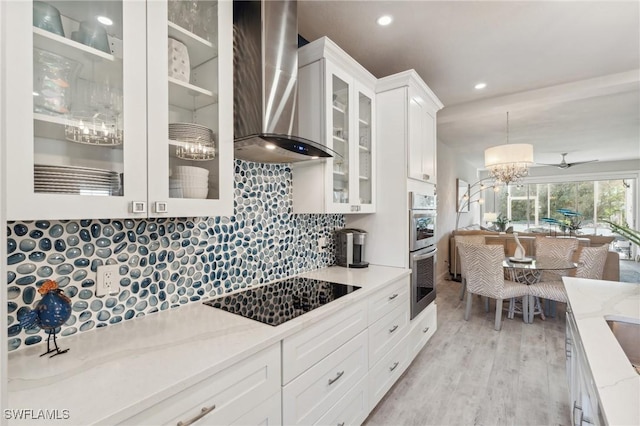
pixel 36 94
pixel 270 146
pixel 104 20
pixel 384 20
pixel 480 86
pixel 315 157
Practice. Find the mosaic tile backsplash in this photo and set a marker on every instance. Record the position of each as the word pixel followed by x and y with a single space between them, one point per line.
pixel 165 263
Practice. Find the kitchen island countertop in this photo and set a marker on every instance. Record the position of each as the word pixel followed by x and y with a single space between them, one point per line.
pixel 112 373
pixel 592 303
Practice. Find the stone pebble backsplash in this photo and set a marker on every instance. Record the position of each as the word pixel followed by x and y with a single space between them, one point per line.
pixel 165 263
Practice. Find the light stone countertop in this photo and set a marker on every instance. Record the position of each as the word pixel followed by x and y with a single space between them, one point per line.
pixel 617 383
pixel 111 373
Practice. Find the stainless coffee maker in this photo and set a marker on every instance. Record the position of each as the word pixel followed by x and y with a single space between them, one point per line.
pixel 350 248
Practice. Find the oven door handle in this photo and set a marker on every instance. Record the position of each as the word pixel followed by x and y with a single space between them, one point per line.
pixel 420 256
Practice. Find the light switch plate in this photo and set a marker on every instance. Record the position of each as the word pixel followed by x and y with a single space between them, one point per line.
pixel 107 280
pixel 322 245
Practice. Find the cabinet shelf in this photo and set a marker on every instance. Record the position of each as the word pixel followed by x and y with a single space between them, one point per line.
pixel 339 139
pixel 363 148
pixel 189 96
pixel 363 123
pixel 364 177
pixel 200 50
pixel 96 64
pixel 52 127
pixel 172 153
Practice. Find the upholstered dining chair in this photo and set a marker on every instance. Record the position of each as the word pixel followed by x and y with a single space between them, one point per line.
pixel 590 265
pixel 467 239
pixel 485 277
pixel 559 248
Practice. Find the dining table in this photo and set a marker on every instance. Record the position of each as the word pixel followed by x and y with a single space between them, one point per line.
pixel 530 271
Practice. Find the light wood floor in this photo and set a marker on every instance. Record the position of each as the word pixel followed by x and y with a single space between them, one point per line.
pixel 470 374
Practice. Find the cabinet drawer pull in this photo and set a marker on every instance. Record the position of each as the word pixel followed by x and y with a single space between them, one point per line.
pixel 341 424
pixel 203 412
pixel 393 296
pixel 394 328
pixel 332 381
pixel 393 367
pixel 424 330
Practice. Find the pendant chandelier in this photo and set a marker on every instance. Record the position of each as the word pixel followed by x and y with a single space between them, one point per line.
pixel 508 163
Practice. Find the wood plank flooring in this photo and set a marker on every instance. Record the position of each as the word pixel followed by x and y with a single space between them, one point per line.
pixel 470 374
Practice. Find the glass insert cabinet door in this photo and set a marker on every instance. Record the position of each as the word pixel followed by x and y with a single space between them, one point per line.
pixel 76 109
pixel 365 149
pixel 190 109
pixel 340 137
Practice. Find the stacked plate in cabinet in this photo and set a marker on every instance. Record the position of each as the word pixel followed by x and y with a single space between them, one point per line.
pixel 198 143
pixel 189 182
pixel 75 180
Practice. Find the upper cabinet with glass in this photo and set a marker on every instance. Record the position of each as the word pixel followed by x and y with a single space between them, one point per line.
pixel 81 133
pixel 337 108
pixel 191 156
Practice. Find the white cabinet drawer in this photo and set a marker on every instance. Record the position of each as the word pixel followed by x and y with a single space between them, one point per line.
pixel 306 348
pixel 384 301
pixel 352 409
pixel 422 328
pixel 234 391
pixel 266 414
pixel 387 332
pixel 313 393
pixel 385 373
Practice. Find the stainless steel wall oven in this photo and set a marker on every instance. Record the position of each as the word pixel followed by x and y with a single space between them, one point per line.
pixel 422 250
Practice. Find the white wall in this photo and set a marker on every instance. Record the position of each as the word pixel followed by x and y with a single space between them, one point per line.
pixel 450 168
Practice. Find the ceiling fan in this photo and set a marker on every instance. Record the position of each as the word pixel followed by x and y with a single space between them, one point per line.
pixel 564 165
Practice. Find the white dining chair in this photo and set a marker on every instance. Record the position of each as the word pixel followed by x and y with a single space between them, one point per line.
pixel 485 277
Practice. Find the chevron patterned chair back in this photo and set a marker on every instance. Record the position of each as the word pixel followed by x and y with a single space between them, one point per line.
pixel 559 248
pixel 591 262
pixel 476 240
pixel 485 277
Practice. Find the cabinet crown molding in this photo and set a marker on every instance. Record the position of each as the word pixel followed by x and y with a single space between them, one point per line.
pixel 409 78
pixel 325 48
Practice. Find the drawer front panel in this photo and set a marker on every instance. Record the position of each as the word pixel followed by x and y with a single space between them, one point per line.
pixel 422 328
pixel 310 395
pixel 384 301
pixel 352 409
pixel 386 372
pixel 387 332
pixel 266 414
pixel 306 348
pixel 243 386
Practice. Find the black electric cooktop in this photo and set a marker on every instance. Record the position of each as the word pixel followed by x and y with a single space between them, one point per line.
pixel 281 301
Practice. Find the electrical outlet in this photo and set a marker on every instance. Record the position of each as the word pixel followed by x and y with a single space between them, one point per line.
pixel 107 280
pixel 322 245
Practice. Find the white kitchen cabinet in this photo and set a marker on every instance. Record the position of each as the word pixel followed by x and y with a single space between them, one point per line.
pixel 86 131
pixel 311 395
pixel 306 348
pixel 422 327
pixel 386 372
pixel 336 108
pixel 583 396
pixel 248 388
pixel 413 106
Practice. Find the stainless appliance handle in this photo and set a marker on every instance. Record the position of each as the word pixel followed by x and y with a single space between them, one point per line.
pixel 423 254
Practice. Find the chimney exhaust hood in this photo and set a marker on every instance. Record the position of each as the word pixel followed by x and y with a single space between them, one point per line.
pixel 265 64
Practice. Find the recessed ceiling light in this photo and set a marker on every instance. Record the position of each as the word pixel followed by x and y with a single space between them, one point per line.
pixel 384 20
pixel 104 20
pixel 480 86
pixel 270 146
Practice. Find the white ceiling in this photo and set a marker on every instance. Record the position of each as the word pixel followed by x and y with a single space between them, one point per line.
pixel 567 72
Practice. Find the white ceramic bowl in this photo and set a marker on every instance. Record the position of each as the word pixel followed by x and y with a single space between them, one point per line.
pixel 192 181
pixel 195 192
pixel 189 170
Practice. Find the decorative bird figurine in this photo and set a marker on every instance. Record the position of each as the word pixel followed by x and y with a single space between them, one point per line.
pixel 53 310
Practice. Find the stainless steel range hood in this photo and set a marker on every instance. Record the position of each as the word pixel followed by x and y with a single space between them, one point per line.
pixel 265 64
